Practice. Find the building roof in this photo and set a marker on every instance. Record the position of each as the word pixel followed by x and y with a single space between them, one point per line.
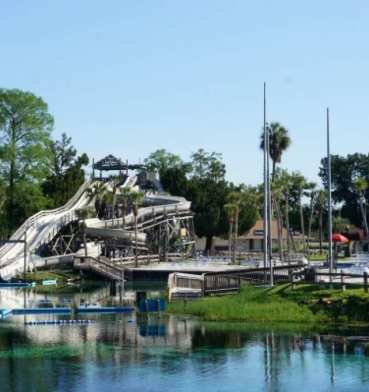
pixel 110 162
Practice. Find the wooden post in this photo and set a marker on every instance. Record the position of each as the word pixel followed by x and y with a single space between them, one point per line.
pixel 343 286
pixel 365 281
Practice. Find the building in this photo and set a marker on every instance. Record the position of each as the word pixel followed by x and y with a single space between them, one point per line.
pixel 252 241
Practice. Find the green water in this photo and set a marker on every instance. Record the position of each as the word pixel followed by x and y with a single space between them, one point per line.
pixel 129 353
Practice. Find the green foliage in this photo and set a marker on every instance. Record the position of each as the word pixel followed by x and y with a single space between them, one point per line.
pixel 341 225
pixel 350 176
pixel 251 304
pixel 25 151
pixel 279 141
pixel 202 181
pixel 306 303
pixel 66 174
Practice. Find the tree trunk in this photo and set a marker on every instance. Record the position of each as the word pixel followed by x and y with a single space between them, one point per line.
pixel 235 235
pixel 302 224
pixel 310 223
pixel 287 218
pixel 208 244
pixel 12 176
pixel 280 229
pixel 230 236
pixel 320 231
pixel 274 164
pixel 363 214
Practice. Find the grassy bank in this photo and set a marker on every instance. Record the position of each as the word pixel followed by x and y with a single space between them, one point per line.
pixel 304 304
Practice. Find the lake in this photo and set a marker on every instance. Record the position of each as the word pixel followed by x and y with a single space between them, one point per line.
pixel 126 352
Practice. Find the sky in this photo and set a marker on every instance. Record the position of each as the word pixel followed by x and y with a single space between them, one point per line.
pixel 129 77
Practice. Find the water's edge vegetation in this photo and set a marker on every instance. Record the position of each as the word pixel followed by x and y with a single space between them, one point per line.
pixel 302 304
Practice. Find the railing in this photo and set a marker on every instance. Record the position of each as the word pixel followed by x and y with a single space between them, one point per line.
pixel 214 283
pixel 99 266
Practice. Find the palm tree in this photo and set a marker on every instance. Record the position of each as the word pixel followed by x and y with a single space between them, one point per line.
pixel 279 141
pixel 361 185
pixel 136 200
pixel 125 194
pixel 301 185
pixel 235 200
pixel 96 192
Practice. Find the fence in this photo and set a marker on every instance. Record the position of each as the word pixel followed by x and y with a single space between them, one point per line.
pixel 343 276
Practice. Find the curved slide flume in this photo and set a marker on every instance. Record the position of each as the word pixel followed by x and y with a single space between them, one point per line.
pixel 37 230
pixel 40 227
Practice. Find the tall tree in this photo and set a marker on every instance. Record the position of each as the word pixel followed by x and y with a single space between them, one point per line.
pixel 66 172
pixel 25 148
pixel 345 172
pixel 208 189
pixel 279 141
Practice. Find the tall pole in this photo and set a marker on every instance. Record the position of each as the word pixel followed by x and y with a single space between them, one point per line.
pixel 265 190
pixel 269 200
pixel 25 256
pixel 330 252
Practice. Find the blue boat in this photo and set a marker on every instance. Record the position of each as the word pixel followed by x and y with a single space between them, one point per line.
pixel 41 311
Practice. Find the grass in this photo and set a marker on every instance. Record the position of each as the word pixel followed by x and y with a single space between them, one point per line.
pixel 282 304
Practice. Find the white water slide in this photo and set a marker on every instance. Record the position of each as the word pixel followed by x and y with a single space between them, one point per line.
pixel 39 228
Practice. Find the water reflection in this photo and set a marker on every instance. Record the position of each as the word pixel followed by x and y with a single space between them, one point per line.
pixel 156 353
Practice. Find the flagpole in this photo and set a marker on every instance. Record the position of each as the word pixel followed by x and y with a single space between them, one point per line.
pixel 265 190
pixel 329 167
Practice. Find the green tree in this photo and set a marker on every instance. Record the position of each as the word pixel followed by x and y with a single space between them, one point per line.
pixel 162 160
pixel 66 173
pixel 96 193
pixel 207 190
pixel 279 141
pixel 25 147
pixel 345 172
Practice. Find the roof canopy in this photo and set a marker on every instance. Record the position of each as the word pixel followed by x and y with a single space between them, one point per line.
pixel 110 162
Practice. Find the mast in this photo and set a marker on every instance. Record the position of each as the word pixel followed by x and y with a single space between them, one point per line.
pixel 265 221
pixel 269 199
pixel 330 252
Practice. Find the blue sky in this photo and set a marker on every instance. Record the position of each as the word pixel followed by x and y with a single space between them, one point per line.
pixel 128 77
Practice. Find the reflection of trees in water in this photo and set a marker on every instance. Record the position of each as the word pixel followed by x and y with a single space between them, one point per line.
pixel 170 346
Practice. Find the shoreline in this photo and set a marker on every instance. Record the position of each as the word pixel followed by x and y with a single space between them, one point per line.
pixel 305 304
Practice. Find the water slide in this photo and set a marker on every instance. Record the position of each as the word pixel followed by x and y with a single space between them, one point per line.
pixel 39 228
